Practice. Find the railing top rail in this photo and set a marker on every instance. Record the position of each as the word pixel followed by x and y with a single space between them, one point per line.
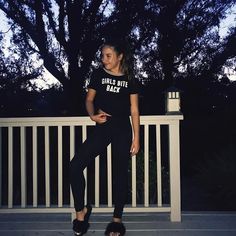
pixel 160 119
pixel 79 120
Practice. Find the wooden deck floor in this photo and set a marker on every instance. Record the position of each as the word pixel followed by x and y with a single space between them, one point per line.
pixel 158 224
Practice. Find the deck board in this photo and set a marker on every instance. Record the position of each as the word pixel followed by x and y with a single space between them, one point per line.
pixel 150 224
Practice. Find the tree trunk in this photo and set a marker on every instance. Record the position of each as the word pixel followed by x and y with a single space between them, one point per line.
pixel 74 94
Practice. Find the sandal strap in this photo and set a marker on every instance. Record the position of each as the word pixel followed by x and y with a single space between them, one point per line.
pixel 88 213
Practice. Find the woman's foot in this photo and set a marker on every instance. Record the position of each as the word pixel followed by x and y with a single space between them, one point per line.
pixel 80 227
pixel 114 234
pixel 115 228
pixel 84 214
pixel 81 223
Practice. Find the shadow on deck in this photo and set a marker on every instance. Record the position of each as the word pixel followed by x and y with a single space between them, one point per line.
pixel 193 223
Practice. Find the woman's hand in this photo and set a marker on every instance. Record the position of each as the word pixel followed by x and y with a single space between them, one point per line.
pixel 100 118
pixel 134 147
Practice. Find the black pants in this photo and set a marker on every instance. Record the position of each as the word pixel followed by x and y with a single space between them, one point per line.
pixel 118 132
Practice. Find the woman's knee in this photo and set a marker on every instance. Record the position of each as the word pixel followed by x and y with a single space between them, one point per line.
pixel 75 165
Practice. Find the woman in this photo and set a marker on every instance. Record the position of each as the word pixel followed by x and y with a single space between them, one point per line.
pixel 114 91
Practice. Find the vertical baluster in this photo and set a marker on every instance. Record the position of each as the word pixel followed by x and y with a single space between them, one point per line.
pixel 23 167
pixel 97 183
pixel 72 153
pixel 159 168
pixel 84 136
pixel 47 167
pixel 134 182
pixel 35 167
pixel 60 168
pixel 109 176
pixel 146 166
pixel 10 167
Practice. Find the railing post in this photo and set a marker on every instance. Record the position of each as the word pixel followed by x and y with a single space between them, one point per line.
pixel 174 160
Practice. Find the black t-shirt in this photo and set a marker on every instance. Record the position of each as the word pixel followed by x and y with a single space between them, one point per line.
pixel 112 92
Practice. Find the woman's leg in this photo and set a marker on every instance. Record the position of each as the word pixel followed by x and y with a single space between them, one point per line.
pixel 121 143
pixel 92 147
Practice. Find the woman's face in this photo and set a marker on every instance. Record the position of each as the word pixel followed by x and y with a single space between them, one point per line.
pixel 110 59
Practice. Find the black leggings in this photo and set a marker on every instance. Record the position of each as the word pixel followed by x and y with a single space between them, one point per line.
pixel 118 132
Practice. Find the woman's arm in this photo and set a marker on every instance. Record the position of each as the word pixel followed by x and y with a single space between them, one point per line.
pixel 135 123
pixel 89 103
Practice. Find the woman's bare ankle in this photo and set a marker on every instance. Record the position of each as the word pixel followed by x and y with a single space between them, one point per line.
pixel 80 214
pixel 117 220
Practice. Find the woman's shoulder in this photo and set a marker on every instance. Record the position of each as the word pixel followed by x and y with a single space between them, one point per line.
pixel 98 71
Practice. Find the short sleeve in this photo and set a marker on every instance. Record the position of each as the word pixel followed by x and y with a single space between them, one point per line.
pixel 133 86
pixel 94 81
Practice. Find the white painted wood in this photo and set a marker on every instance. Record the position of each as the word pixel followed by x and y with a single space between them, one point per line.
pixel 10 167
pixel 60 168
pixel 23 166
pixel 159 167
pixel 67 121
pixel 35 166
pixel 97 182
pixel 86 187
pixel 134 181
pixel 173 123
pixel 146 166
pixel 47 167
pixel 109 176
pixel 72 153
pixel 84 137
pixel 174 172
pixel 101 209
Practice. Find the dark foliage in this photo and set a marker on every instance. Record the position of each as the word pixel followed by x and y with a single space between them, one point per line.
pixel 170 39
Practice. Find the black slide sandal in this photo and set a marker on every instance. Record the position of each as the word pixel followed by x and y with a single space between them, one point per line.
pixel 81 227
pixel 116 228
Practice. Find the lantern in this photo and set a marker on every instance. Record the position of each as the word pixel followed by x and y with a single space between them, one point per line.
pixel 172 101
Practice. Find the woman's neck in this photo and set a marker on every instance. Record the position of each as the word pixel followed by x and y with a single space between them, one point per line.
pixel 117 72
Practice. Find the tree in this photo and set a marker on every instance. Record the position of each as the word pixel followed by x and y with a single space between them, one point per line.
pixel 17 75
pixel 184 40
pixel 181 46
pixel 172 39
pixel 66 35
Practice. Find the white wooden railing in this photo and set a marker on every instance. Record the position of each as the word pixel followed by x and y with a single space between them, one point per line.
pixel 21 175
